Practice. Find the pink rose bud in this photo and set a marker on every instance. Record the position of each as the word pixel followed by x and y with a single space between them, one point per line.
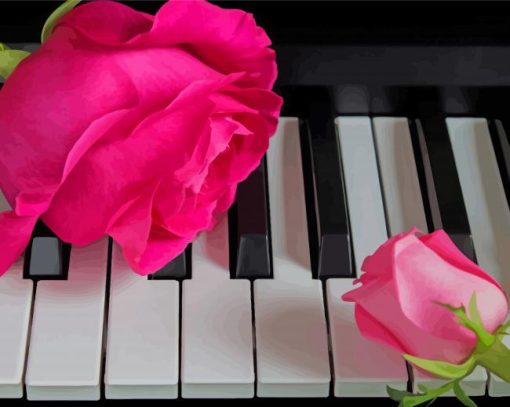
pixel 135 126
pixel 401 288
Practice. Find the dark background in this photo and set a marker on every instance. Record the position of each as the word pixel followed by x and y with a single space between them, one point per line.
pixel 334 22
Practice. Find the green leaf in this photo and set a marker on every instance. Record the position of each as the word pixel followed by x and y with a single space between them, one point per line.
pixel 417 400
pixel 430 396
pixel 411 400
pixel 473 310
pixel 462 396
pixel 60 11
pixel 397 395
pixel 9 60
pixel 3 47
pixel 443 369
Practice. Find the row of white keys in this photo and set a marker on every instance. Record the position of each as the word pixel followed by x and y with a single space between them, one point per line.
pixel 362 368
pixel 15 308
pixel 142 353
pixel 290 323
pixel 217 331
pixel 65 353
pixel 143 321
pixel 486 206
pixel 404 206
pixel 143 326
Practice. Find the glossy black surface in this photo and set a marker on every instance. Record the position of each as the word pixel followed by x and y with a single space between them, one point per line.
pixel 178 269
pixel 328 224
pixel 46 256
pixel 249 228
pixel 500 131
pixel 439 178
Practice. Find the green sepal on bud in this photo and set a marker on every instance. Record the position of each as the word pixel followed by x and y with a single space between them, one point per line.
pixel 484 339
pixel 490 353
pixel 59 12
pixel 9 59
pixel 442 369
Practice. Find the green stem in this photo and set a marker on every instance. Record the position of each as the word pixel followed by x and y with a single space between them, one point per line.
pixel 496 359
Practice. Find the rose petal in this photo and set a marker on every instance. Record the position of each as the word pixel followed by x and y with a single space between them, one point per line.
pixel 380 264
pixel 131 225
pixel 122 24
pixel 441 244
pixel 384 307
pixel 372 329
pixel 161 246
pixel 29 151
pixel 422 278
pixel 228 40
pixel 157 120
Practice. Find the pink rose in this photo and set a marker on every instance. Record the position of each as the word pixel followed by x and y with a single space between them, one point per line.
pixel 397 303
pixel 135 126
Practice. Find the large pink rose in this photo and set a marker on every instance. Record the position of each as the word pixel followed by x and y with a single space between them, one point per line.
pixel 135 126
pixel 406 278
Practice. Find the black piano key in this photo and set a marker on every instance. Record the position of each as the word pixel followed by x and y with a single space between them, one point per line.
pixel 326 204
pixel 178 269
pixel 46 257
pixel 426 179
pixel 500 131
pixel 249 229
pixel 440 181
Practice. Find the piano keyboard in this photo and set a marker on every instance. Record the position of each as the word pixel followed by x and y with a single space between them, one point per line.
pixel 254 309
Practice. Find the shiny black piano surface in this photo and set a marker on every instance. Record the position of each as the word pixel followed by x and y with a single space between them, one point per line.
pixel 421 60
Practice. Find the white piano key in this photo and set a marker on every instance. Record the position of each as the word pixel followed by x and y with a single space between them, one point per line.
pixel 399 177
pixel 291 333
pixel 15 308
pixel 363 190
pixel 362 368
pixel 486 206
pixel 142 352
pixel 217 331
pixel 64 361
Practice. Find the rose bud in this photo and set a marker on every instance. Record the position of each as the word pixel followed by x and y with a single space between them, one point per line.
pixel 404 284
pixel 135 126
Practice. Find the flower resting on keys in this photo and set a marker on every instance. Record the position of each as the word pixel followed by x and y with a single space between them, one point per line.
pixel 134 126
pixel 421 296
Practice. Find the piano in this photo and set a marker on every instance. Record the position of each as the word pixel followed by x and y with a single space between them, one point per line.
pixel 396 115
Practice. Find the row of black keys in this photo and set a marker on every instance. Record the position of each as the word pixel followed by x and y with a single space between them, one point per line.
pixel 328 224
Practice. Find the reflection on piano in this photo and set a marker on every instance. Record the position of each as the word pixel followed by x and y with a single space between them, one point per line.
pixel 396 115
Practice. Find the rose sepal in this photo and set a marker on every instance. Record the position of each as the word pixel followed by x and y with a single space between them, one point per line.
pixel 59 12
pixel 408 399
pixel 9 59
pixel 489 352
pixel 442 369
pixel 496 359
